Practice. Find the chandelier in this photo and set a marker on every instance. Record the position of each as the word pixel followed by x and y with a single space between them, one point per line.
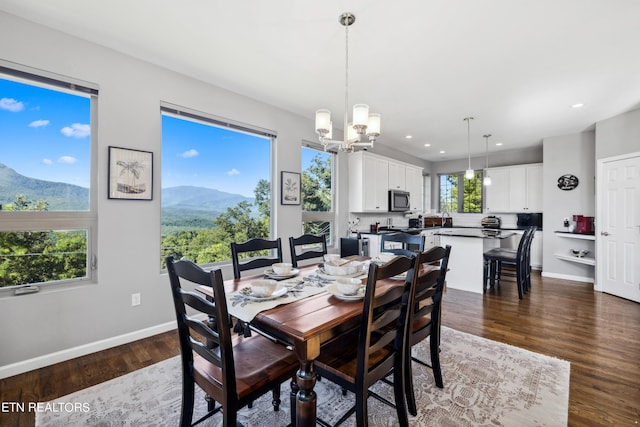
pixel 365 127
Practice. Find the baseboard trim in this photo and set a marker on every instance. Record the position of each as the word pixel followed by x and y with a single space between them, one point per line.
pixel 568 277
pixel 82 350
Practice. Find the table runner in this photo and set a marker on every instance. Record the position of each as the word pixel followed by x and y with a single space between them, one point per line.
pixel 245 308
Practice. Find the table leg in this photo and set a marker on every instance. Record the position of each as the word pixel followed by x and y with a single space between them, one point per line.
pixel 305 397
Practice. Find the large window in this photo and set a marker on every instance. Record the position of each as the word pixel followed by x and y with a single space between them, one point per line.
pixel 216 185
pixel 317 192
pixel 469 200
pixel 47 179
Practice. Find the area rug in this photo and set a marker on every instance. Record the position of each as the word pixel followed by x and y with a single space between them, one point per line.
pixel 486 383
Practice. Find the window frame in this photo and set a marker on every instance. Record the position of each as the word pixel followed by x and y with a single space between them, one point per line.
pixel 325 216
pixel 207 119
pixel 14 221
pixel 479 174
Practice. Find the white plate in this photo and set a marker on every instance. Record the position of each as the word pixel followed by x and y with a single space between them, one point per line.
pixel 276 294
pixel 271 275
pixel 320 272
pixel 333 290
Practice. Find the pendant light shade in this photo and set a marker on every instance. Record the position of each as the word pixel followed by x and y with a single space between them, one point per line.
pixel 470 173
pixel 487 179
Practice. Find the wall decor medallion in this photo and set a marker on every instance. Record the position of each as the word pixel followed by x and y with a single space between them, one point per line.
pixel 130 174
pixel 289 188
pixel 567 182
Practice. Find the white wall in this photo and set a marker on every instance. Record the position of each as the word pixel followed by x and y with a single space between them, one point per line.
pixel 618 135
pixel 53 325
pixel 568 154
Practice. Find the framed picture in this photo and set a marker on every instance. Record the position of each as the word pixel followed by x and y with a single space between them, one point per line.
pixel 289 188
pixel 130 174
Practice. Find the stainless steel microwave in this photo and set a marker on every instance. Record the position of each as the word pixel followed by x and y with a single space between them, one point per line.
pixel 399 201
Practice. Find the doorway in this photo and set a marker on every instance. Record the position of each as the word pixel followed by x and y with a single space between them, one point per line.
pixel 618 226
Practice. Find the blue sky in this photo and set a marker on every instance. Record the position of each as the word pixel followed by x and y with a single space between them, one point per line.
pixel 45 134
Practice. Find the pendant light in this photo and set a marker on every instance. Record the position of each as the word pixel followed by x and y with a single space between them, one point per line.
pixel 487 179
pixel 469 174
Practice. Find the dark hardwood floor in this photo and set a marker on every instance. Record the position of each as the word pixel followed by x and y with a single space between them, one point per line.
pixel 598 333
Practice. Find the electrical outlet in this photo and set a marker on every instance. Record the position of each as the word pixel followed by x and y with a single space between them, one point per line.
pixel 135 299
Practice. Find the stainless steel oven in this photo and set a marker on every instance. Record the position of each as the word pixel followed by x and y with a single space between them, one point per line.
pixel 399 201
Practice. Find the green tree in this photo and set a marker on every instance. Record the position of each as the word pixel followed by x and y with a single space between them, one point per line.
pixel 316 185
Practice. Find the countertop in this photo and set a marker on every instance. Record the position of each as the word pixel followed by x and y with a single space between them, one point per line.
pixel 386 230
pixel 477 233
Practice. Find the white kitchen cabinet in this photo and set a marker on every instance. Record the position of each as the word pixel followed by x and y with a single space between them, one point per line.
pixel 431 239
pixel 415 187
pixel 372 176
pixel 515 189
pixel 368 183
pixel 397 176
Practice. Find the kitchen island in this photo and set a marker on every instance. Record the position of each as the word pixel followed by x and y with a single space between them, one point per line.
pixel 466 263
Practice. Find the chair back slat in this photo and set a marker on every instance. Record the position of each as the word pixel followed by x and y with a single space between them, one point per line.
pixel 317 241
pixel 254 247
pixel 405 239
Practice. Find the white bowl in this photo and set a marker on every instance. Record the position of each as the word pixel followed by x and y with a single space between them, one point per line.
pixel 282 267
pixel 334 268
pixel 386 256
pixel 331 257
pixel 348 286
pixel 263 288
pixel 579 252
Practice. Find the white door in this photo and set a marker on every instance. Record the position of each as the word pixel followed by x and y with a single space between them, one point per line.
pixel 618 226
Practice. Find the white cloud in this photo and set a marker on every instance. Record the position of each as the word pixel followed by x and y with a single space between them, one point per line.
pixel 38 123
pixel 233 171
pixel 47 161
pixel 76 130
pixel 11 104
pixel 67 160
pixel 189 153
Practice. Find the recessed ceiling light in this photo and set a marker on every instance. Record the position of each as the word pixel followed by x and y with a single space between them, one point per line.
pixel 498 143
pixel 442 151
pixel 427 145
pixel 578 105
pixel 408 136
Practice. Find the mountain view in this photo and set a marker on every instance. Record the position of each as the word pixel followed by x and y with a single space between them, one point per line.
pixel 182 206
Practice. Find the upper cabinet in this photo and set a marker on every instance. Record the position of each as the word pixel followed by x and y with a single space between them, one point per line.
pixel 515 189
pixel 372 176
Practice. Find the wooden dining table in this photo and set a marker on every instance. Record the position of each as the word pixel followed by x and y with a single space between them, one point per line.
pixel 305 324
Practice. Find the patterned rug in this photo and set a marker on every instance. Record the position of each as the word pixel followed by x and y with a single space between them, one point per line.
pixel 486 383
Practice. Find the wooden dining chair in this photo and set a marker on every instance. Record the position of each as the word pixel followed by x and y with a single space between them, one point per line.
pixel 425 317
pixel 232 370
pixel 307 246
pixel 255 248
pixel 398 243
pixel 358 359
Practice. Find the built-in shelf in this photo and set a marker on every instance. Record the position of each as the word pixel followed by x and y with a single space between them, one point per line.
pixel 579 260
pixel 569 235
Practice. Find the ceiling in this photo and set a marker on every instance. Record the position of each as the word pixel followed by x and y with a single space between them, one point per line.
pixel 517 67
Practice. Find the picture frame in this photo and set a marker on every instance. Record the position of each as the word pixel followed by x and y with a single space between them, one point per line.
pixel 290 188
pixel 130 174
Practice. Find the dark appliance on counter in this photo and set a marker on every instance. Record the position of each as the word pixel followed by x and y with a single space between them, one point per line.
pixel 584 224
pixel 415 222
pixel 491 222
pixel 530 220
pixel 354 246
pixel 399 201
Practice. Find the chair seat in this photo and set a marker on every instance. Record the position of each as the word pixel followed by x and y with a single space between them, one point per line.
pixel 500 254
pixel 259 363
pixel 340 357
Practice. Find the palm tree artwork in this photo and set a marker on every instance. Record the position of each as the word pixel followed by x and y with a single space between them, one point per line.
pixel 132 171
